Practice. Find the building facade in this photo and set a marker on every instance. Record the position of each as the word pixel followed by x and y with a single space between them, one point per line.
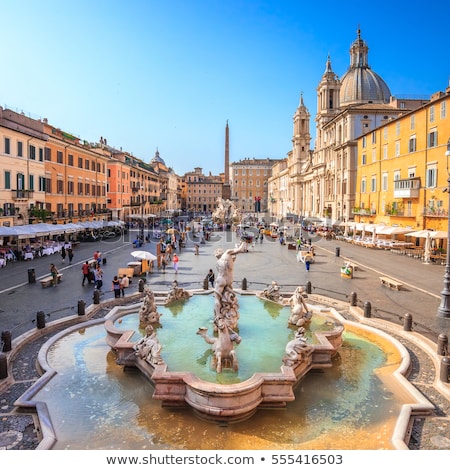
pixel 249 184
pixel 403 169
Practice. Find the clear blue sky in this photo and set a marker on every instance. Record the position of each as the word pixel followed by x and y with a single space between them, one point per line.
pixel 168 74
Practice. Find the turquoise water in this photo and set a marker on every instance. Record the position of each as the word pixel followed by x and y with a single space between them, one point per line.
pixel 263 327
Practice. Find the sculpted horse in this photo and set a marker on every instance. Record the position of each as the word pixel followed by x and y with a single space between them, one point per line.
pixel 222 347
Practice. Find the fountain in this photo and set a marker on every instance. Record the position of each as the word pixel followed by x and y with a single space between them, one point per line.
pixel 90 398
pixel 232 402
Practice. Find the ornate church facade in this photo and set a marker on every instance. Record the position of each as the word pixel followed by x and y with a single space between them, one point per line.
pixel 320 183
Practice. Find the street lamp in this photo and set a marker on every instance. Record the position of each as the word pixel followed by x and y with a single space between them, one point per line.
pixel 444 307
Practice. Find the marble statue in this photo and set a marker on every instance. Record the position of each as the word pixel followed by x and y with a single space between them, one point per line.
pixel 148 313
pixel 297 349
pixel 149 347
pixel 177 293
pixel 224 355
pixel 300 315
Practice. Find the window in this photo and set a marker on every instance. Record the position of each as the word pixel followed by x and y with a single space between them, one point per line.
pixel 374 137
pixel 48 154
pixel 432 139
pixel 7 146
pixel 384 182
pixel 431 177
pixel 443 109
pixel 41 183
pixel 363 159
pixel 385 152
pixel 86 164
pixel 431 113
pixel 59 157
pixel 20 181
pixel 373 184
pixel 80 162
pixel 374 155
pixel 19 149
pixel 412 144
pixel 80 188
pixel 363 185
pixel 41 154
pixel 364 142
pixel 7 180
pixel 412 122
pixel 397 149
pixel 70 160
pixel 87 189
pixel 59 186
pixel 31 182
pixel 397 129
pixel 32 149
pixel 70 187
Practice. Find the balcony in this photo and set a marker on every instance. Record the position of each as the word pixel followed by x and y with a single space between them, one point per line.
pixel 407 188
pixel 362 211
pixel 22 194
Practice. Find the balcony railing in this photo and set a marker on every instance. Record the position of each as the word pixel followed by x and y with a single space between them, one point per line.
pixel 361 211
pixel 435 212
pixel 22 193
pixel 407 188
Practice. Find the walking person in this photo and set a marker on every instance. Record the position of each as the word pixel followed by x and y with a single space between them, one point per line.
pixel 98 277
pixel 70 255
pixel 63 254
pixel 163 264
pixel 124 284
pixel 307 263
pixel 116 287
pixel 85 270
pixel 210 277
pixel 54 273
pixel 175 262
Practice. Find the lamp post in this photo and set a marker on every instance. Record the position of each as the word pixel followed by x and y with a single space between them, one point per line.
pixel 444 307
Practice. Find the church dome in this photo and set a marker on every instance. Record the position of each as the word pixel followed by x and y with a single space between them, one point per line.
pixel 157 158
pixel 360 84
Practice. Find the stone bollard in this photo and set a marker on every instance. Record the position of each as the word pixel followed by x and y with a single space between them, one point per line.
pixel 96 296
pixel 141 285
pixel 40 320
pixel 244 283
pixel 81 307
pixel 445 369
pixel 367 310
pixel 442 345
pixel 353 299
pixel 407 324
pixel 308 287
pixel 205 283
pixel 3 366
pixel 6 340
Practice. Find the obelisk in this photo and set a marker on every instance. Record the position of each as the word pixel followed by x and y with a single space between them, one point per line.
pixel 226 189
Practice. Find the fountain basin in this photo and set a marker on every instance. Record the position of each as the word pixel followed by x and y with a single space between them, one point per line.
pixel 223 402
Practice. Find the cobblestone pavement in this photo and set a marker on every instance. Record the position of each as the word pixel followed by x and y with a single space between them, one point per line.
pixel 264 263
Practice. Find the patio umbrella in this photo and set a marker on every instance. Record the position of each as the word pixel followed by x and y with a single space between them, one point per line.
pixel 427 249
pixel 143 255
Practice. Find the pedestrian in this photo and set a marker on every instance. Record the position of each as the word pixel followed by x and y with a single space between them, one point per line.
pixel 307 264
pixel 210 277
pixel 116 287
pixel 63 254
pixel 175 262
pixel 70 254
pixel 196 247
pixel 163 264
pixel 98 277
pixel 85 270
pixel 124 284
pixel 98 257
pixel 54 273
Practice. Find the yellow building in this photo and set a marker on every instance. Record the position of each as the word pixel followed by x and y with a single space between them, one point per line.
pixel 402 169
